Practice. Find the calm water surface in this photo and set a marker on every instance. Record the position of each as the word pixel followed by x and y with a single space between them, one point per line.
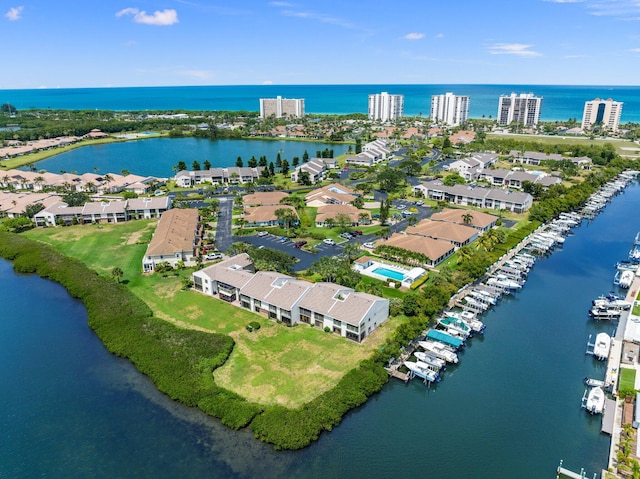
pixel 511 408
pixel 158 156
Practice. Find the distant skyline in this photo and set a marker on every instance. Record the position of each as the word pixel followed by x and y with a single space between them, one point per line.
pixel 73 44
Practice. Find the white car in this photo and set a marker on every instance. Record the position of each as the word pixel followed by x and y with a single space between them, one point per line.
pixel 368 245
pixel 329 241
pixel 262 233
pixel 401 207
pixel 212 256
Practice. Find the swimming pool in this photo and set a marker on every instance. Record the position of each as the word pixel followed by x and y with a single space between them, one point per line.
pixel 389 273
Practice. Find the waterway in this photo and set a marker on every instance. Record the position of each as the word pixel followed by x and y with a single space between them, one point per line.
pixel 158 156
pixel 511 408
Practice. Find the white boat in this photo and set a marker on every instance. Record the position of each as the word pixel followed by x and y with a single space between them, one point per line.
pixel 623 279
pixel 439 350
pixel 611 301
pixel 502 281
pixel 423 371
pixel 595 401
pixel 468 317
pixel 431 360
pixel 604 313
pixel 593 382
pixel 602 346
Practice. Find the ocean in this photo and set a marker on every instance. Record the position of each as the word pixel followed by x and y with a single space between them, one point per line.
pixel 560 102
pixel 510 408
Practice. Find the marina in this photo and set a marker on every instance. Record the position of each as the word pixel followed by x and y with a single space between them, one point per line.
pixel 508 276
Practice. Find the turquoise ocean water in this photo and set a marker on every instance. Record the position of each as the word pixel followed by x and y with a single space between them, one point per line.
pixel 560 102
pixel 510 408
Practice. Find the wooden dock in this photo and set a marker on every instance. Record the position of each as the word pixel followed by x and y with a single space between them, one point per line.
pixel 394 373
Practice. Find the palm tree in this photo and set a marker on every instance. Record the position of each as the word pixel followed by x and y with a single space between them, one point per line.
pixel 117 273
pixel 38 180
pixel 285 216
pixel 465 253
pixel 467 218
pixel 107 179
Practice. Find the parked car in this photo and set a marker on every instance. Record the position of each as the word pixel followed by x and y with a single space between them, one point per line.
pixel 401 207
pixel 420 203
pixel 346 236
pixel 262 233
pixel 329 241
pixel 358 233
pixel 368 244
pixel 212 256
pixel 284 239
pixel 299 244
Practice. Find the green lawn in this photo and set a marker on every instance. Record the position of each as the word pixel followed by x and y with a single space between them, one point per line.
pixel 627 379
pixel 274 365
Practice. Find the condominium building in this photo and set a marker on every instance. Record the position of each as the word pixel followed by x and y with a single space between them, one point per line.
pixel 523 109
pixel 605 113
pixel 450 109
pixel 385 107
pixel 281 107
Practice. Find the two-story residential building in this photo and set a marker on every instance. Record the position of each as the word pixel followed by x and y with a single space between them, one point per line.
pixel 225 279
pixel 351 314
pixel 334 194
pixel 175 239
pixel 476 219
pixel 515 179
pixel 467 195
pixel 456 234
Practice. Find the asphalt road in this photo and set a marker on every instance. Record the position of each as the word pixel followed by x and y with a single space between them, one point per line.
pixel 223 230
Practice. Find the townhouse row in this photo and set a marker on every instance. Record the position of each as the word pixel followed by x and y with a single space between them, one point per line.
pixel 342 310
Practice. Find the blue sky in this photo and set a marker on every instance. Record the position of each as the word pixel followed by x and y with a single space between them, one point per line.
pixel 72 43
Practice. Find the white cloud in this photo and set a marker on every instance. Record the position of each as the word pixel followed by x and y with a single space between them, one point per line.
pixel 517 49
pixel 414 36
pixel 281 4
pixel 634 50
pixel 159 18
pixel 575 56
pixel 267 82
pixel 439 35
pixel 14 13
pixel 198 74
pixel 627 9
pixel 321 17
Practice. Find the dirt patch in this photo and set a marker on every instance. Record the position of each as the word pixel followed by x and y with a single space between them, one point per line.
pixel 134 237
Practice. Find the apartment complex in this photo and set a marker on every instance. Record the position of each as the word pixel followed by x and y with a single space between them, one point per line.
pixel 605 113
pixel 280 297
pixel 385 107
pixel 450 109
pixel 523 109
pixel 281 107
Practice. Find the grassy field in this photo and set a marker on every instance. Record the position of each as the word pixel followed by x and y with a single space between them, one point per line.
pixel 623 147
pixel 627 379
pixel 274 365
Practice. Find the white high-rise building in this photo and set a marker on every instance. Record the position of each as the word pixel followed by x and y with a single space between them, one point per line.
pixel 279 107
pixel 602 112
pixel 450 109
pixel 523 109
pixel 385 107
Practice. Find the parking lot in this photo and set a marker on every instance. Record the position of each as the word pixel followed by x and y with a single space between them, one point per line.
pixel 305 258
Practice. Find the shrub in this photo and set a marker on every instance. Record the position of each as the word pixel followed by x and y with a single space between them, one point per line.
pixel 327 329
pixel 253 326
